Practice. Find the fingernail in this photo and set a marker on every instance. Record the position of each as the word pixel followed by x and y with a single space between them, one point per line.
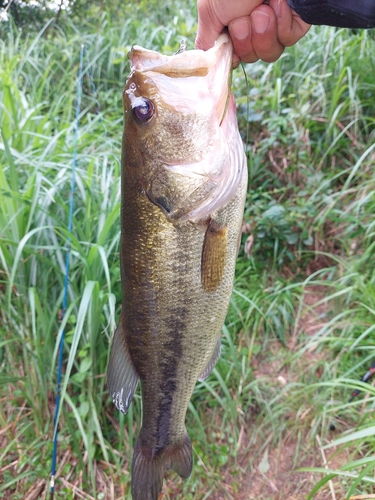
pixel 260 21
pixel 240 29
pixel 278 8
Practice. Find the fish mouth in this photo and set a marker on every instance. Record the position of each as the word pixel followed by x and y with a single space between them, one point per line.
pixel 215 64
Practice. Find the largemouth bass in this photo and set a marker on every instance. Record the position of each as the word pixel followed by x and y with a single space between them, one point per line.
pixel 184 181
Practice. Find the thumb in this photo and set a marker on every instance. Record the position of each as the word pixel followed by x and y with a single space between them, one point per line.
pixel 209 25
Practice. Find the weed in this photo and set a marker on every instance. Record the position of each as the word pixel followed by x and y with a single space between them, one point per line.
pixel 308 226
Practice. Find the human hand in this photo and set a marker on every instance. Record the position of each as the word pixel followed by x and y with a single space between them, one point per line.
pixel 258 30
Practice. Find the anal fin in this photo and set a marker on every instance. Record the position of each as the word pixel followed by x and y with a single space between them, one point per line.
pixel 122 378
pixel 212 362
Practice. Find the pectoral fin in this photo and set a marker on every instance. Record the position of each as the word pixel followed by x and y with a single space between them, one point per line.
pixel 122 378
pixel 214 256
pixel 211 364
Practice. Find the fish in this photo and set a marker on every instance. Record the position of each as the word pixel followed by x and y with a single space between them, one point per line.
pixel 184 182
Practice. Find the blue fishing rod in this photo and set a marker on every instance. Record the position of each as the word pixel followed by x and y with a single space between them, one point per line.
pixel 66 278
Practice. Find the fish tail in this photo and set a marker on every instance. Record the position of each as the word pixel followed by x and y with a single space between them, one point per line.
pixel 149 467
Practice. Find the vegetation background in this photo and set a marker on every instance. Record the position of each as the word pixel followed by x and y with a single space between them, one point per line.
pixel 273 420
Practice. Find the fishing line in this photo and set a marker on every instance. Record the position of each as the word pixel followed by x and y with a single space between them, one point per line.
pixel 247 109
pixel 94 92
pixel 66 278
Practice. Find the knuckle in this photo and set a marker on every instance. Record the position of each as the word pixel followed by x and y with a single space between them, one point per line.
pixel 288 39
pixel 272 56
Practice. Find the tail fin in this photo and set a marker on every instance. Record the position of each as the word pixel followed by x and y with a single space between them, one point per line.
pixel 149 467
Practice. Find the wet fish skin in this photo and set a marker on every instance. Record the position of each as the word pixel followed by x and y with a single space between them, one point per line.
pixel 183 189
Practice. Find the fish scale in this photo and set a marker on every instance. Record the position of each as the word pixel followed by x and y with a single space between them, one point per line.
pixel 184 183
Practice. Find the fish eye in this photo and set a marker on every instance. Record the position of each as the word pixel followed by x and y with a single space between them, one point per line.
pixel 143 110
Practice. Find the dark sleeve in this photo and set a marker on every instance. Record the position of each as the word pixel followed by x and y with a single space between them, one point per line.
pixel 340 13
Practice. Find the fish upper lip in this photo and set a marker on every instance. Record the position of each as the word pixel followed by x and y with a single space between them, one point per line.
pixel 186 63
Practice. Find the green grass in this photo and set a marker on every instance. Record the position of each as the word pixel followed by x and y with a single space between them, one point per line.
pixel 309 230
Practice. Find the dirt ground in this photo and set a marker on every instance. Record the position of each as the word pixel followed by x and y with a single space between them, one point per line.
pixel 275 477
